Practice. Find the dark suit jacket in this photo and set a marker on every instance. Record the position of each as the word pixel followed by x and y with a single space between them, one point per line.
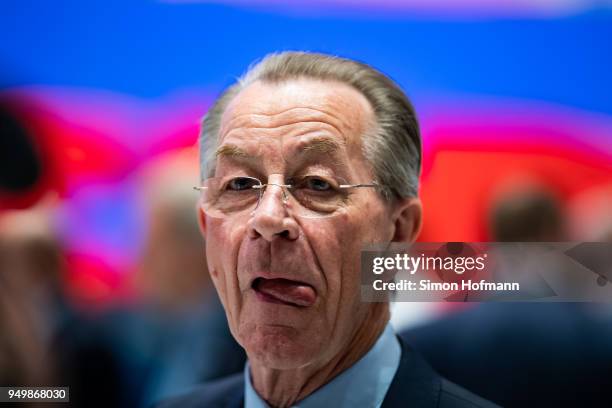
pixel 415 385
pixel 545 355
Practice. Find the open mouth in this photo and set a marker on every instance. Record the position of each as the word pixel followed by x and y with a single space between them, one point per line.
pixel 284 291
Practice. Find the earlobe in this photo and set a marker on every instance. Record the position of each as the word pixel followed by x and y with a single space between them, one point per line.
pixel 408 218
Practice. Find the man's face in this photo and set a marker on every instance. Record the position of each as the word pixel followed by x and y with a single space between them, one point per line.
pixel 291 286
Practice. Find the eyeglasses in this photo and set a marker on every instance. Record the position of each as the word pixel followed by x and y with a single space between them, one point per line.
pixel 309 196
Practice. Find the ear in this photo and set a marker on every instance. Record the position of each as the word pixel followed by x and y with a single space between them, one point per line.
pixel 202 221
pixel 407 220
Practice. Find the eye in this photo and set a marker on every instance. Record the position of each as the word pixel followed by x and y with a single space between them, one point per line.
pixel 241 183
pixel 316 183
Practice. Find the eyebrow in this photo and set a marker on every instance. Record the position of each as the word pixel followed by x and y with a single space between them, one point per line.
pixel 323 145
pixel 232 151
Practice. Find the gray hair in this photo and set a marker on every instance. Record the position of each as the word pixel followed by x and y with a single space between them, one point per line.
pixel 393 149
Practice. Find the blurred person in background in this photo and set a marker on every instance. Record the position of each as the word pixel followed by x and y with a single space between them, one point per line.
pixel 24 348
pixel 527 354
pixel 32 265
pixel 23 356
pixel 173 241
pixel 527 213
pixel 54 345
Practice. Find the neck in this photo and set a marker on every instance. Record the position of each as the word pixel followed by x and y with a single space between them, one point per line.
pixel 282 388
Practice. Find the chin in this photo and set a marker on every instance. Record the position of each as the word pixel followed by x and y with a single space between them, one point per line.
pixel 281 347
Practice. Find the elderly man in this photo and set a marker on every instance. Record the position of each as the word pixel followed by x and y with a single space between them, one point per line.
pixel 305 160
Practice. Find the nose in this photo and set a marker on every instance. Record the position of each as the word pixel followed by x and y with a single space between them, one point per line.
pixel 270 219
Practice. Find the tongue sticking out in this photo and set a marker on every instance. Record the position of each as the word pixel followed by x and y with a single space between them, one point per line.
pixel 287 291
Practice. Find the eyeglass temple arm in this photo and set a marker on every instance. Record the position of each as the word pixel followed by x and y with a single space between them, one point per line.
pixel 373 184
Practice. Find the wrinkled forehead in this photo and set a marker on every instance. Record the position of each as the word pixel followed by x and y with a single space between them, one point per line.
pixel 295 117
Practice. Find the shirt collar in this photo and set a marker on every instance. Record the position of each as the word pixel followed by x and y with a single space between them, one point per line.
pixel 365 383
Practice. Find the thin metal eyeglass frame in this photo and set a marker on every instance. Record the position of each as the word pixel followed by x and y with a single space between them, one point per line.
pixel 284 187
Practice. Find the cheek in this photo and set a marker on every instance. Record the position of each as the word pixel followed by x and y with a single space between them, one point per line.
pixel 221 251
pixel 337 244
pixel 338 247
pixel 327 244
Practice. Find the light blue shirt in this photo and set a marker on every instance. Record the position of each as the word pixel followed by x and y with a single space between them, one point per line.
pixel 364 384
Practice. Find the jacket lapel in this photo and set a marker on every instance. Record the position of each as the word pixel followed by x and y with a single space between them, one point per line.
pixel 235 399
pixel 414 384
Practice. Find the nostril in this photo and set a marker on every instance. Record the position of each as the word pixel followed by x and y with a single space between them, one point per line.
pixel 253 233
pixel 284 234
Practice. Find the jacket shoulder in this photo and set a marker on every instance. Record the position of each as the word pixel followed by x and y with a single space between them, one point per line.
pixel 454 396
pixel 224 392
